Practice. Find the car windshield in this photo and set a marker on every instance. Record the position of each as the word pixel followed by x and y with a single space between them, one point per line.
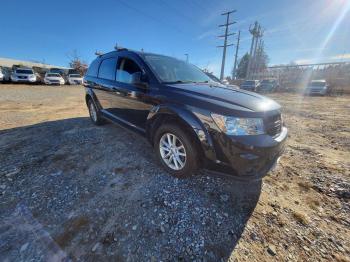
pixel 267 81
pixel 171 70
pixel 74 75
pixel 250 82
pixel 318 84
pixel 24 71
pixel 53 75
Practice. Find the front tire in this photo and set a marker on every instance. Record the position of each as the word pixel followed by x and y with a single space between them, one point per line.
pixel 176 151
pixel 95 114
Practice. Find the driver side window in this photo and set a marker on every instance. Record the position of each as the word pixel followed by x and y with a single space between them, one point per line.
pixel 126 68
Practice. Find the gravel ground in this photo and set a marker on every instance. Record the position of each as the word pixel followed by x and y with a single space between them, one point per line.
pixel 73 191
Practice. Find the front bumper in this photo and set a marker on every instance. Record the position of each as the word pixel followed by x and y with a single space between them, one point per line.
pixel 26 80
pixel 75 82
pixel 248 157
pixel 316 91
pixel 48 82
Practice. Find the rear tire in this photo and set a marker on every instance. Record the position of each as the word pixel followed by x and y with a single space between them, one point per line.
pixel 183 160
pixel 95 114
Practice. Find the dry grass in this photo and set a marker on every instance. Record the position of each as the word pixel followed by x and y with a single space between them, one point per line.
pixel 305 185
pixel 313 203
pixel 301 218
pixel 341 258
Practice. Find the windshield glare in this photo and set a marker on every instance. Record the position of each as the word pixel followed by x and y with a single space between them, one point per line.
pixel 318 84
pixel 171 70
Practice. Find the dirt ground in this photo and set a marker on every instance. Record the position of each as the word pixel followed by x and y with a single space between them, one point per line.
pixel 73 191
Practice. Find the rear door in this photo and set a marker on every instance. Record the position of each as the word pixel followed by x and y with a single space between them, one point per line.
pixel 105 81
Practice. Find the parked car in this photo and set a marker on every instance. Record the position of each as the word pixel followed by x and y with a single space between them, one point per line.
pixel 189 120
pixel 268 86
pixel 2 76
pixel 26 75
pixel 75 79
pixel 6 74
pixel 317 87
pixel 250 85
pixel 53 79
pixel 225 82
pixel 62 72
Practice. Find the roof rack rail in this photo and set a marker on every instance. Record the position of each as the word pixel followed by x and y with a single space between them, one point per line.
pixel 98 53
pixel 120 48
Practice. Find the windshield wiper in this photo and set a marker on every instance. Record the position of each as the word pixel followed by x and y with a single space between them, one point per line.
pixel 201 82
pixel 179 82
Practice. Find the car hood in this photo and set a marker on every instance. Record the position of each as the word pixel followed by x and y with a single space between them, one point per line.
pixel 227 97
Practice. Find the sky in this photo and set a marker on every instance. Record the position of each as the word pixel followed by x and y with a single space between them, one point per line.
pixel 299 31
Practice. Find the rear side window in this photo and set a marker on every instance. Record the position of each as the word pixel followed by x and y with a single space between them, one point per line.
pixel 107 69
pixel 93 68
pixel 126 67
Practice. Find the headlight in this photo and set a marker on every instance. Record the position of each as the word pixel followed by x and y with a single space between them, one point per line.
pixel 236 126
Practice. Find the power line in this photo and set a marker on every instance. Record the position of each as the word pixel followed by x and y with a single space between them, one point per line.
pixel 204 8
pixel 178 12
pixel 155 19
pixel 228 23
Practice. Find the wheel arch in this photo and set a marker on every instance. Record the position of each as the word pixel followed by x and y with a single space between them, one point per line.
pixel 91 95
pixel 185 118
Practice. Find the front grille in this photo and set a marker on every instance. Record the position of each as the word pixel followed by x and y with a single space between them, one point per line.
pixel 54 81
pixel 273 124
pixel 22 77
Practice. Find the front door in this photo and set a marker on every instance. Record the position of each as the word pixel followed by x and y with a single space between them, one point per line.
pixel 129 102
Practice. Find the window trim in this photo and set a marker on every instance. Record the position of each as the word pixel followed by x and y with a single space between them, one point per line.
pixel 98 67
pixel 102 60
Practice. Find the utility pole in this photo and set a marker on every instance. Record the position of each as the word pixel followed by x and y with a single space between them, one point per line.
pixel 259 34
pixel 186 57
pixel 258 57
pixel 234 74
pixel 253 33
pixel 256 33
pixel 228 23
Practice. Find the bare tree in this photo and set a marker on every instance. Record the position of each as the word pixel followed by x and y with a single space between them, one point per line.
pixel 77 63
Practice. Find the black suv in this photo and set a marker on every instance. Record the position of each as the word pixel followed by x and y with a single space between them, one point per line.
pixel 190 120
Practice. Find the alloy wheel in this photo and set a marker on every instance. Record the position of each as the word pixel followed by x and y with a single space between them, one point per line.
pixel 172 151
pixel 93 112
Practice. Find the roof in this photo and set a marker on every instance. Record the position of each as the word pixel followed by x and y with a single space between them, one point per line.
pixel 140 53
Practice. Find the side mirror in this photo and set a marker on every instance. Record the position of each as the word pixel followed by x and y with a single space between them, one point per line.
pixel 138 79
